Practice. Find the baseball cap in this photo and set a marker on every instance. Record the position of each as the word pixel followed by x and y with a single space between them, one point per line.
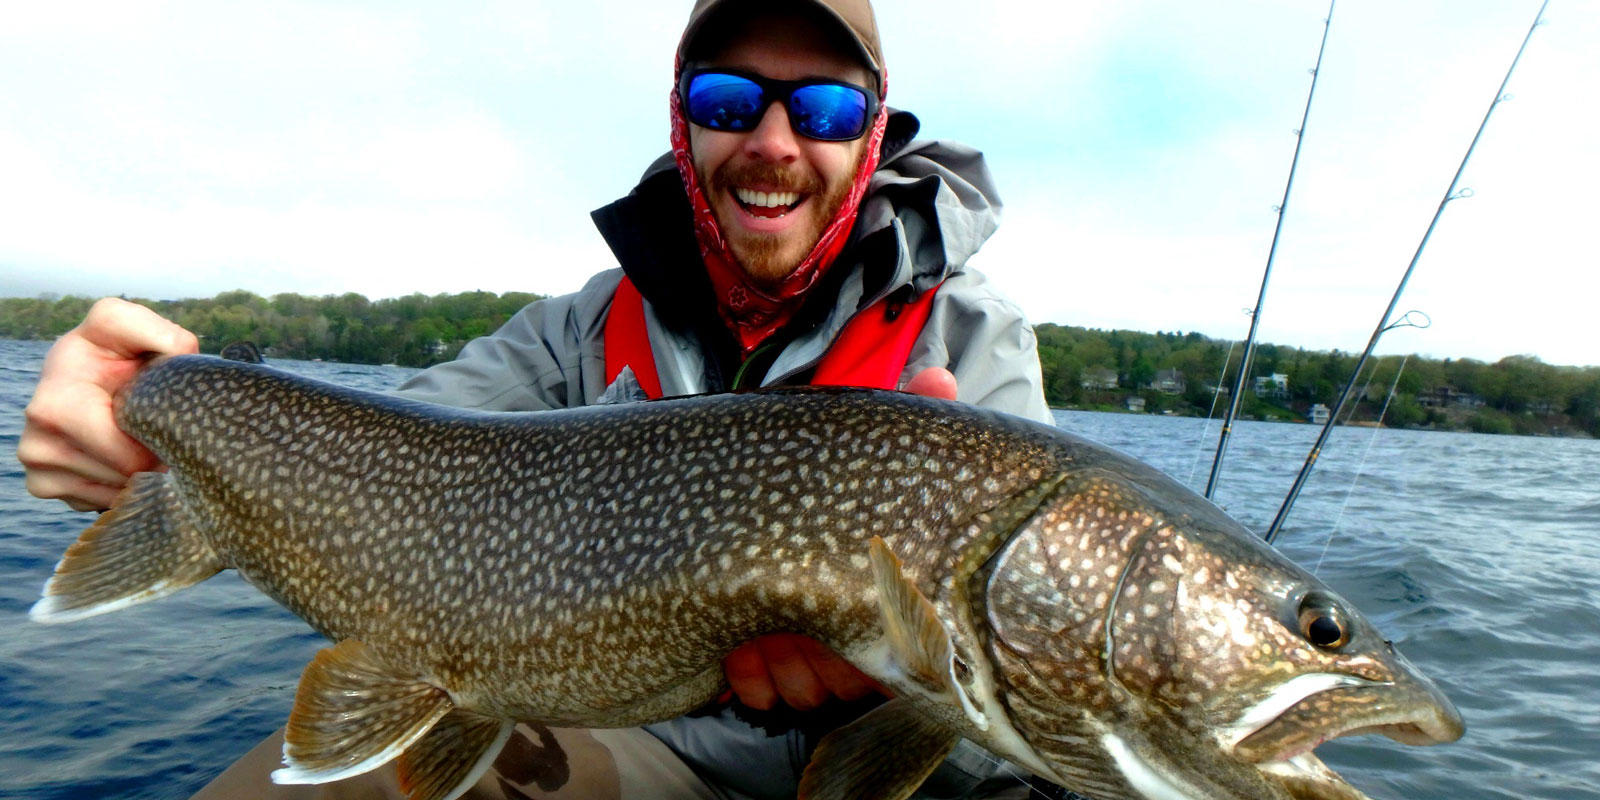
pixel 854 17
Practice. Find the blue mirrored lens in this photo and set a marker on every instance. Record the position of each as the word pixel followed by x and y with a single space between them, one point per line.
pixel 725 102
pixel 826 111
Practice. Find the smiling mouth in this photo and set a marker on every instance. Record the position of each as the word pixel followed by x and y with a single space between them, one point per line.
pixel 767 205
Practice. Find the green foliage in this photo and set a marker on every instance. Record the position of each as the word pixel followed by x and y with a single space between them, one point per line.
pixel 1405 413
pixel 1518 394
pixel 1490 421
pixel 415 330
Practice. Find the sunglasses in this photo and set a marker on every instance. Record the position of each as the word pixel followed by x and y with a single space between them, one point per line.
pixel 723 100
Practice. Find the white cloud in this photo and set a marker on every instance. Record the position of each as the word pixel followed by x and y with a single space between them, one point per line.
pixel 181 148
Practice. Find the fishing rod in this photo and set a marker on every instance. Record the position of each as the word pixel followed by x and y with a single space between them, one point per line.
pixel 1361 468
pixel 1383 321
pixel 1272 254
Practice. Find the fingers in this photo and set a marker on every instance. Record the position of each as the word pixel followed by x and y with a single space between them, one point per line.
pixel 77 493
pixel 747 676
pixel 796 682
pixel 39 451
pixel 933 382
pixel 798 670
pixel 74 416
pixel 71 446
pixel 129 330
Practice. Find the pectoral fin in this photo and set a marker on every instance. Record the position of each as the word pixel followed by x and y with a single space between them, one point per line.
pixel 886 754
pixel 917 637
pixel 454 754
pixel 353 713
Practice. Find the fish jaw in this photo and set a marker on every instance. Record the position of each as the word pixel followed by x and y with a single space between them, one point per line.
pixel 1321 707
pixel 1305 777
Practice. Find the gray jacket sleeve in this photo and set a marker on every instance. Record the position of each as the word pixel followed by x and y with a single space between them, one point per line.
pixel 549 355
pixel 983 338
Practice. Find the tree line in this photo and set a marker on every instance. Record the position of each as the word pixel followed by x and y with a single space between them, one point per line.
pixel 414 331
pixel 1517 394
pixel 1175 373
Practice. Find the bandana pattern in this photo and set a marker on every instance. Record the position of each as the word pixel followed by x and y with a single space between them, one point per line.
pixel 754 312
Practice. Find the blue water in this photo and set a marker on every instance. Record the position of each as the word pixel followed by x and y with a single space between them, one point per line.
pixel 1478 555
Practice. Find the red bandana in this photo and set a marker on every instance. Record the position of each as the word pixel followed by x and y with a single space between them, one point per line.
pixel 750 311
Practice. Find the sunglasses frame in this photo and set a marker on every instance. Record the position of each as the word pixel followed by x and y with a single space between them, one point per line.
pixel 776 91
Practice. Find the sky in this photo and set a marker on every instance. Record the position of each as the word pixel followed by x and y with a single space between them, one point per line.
pixel 183 148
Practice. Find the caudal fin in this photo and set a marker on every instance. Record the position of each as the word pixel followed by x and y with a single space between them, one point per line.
pixel 143 548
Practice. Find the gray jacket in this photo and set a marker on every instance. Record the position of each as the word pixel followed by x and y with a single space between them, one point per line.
pixel 929 208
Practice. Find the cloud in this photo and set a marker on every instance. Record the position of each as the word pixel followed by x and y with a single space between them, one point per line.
pixel 181 148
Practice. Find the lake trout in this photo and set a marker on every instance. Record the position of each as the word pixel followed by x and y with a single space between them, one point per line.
pixel 1066 607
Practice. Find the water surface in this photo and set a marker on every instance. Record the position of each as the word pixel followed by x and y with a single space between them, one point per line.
pixel 1477 554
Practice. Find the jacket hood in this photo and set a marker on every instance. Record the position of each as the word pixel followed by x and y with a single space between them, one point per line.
pixel 929 207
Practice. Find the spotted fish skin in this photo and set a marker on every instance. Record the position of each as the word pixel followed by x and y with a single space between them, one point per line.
pixel 561 566
pixel 1068 607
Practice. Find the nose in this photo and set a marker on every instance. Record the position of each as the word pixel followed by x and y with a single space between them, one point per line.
pixel 773 140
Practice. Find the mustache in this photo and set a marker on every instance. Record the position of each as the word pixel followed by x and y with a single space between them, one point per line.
pixel 764 174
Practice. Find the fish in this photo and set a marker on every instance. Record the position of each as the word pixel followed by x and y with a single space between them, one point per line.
pixel 1067 607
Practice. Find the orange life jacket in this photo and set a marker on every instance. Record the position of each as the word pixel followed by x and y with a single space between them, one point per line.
pixel 871 351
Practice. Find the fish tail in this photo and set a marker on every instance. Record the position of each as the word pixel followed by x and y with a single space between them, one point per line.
pixel 143 548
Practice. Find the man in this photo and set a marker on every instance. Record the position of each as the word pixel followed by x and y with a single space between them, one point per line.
pixel 795 234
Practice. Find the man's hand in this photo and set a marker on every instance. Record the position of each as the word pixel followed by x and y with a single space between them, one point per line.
pixel 799 670
pixel 71 448
pixel 796 669
pixel 933 382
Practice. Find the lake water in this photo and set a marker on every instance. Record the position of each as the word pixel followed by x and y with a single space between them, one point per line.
pixel 1479 555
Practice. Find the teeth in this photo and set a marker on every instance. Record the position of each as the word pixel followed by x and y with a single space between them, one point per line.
pixel 766 199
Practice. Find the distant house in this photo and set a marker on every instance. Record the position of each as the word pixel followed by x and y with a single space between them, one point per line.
pixel 1276 385
pixel 1319 414
pixel 1098 378
pixel 1449 397
pixel 1135 403
pixel 1168 381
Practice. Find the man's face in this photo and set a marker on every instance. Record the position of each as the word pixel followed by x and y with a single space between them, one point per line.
pixel 769 242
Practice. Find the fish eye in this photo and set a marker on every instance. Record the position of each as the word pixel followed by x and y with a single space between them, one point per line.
pixel 1322 623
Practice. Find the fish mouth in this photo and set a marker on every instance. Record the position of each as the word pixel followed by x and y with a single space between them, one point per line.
pixel 1410 710
pixel 1305 777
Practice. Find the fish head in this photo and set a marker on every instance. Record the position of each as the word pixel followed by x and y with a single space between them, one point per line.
pixel 1145 645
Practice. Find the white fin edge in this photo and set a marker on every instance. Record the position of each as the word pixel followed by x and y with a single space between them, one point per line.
pixel 293 774
pixel 49 611
pixel 1000 736
pixel 485 761
pixel 1282 699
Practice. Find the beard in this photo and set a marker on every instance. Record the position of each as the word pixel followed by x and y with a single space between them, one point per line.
pixel 770 257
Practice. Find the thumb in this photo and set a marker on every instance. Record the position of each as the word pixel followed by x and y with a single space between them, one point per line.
pixel 933 382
